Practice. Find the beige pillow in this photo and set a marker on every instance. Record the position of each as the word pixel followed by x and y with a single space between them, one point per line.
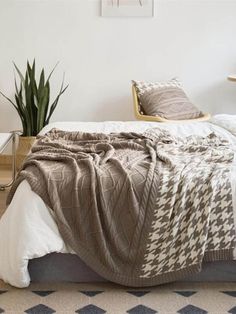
pixel 167 100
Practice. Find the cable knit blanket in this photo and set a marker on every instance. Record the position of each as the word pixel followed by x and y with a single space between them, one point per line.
pixel 139 209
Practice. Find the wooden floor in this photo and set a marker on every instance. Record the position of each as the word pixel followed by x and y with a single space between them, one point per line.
pixel 5 177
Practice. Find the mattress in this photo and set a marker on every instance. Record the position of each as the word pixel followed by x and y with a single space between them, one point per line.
pixel 28 231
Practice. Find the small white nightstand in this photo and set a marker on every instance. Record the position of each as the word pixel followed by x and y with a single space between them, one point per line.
pixel 5 139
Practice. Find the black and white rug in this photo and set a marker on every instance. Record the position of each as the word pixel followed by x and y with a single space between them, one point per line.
pixel 182 298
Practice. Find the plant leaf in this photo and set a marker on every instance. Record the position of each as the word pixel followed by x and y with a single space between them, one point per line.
pixel 42 106
pixel 54 104
pixel 8 99
pixel 19 73
pixel 52 71
pixel 32 96
pixel 41 83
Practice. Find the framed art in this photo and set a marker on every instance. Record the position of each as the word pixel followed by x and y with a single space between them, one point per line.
pixel 127 8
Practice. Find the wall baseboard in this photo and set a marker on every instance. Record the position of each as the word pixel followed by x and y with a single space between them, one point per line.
pixel 5 160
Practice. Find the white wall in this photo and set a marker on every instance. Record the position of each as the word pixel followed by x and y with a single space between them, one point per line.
pixel 195 40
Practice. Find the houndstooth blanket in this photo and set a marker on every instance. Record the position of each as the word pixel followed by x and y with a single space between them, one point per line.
pixel 139 209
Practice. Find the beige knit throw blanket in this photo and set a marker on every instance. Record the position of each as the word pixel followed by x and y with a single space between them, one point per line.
pixel 139 209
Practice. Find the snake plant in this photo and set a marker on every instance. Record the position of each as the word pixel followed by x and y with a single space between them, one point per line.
pixel 32 99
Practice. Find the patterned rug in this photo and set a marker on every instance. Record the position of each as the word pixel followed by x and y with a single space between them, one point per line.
pixel 182 298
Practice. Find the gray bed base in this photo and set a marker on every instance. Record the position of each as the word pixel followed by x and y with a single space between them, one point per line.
pixel 70 268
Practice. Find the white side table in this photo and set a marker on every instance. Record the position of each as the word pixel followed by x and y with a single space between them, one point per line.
pixel 5 139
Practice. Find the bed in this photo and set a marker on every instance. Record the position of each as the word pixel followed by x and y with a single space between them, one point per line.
pixel 31 247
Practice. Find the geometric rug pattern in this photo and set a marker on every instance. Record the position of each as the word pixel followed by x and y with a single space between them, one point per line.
pixel 99 298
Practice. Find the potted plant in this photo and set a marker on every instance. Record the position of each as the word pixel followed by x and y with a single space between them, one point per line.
pixel 32 103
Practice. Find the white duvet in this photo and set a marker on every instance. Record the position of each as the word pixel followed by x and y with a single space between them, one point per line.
pixel 28 230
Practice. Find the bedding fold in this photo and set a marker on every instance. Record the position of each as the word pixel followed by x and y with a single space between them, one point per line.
pixel 139 209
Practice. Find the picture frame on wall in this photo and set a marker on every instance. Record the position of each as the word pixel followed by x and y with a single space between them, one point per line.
pixel 127 8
